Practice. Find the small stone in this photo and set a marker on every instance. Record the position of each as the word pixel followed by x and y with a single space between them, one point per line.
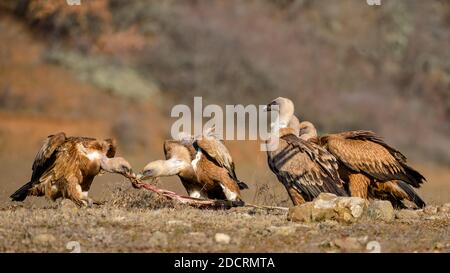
pixel 197 234
pixel 363 239
pixel 407 214
pixel 302 213
pixel 178 223
pixel 67 205
pixel 118 219
pixel 439 246
pixel 445 208
pixel 381 210
pixel 430 210
pixel 222 238
pixel 44 239
pixel 349 244
pixel 283 231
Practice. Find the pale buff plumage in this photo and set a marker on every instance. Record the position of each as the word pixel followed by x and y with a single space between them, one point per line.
pixel 65 167
pixel 370 167
pixel 203 164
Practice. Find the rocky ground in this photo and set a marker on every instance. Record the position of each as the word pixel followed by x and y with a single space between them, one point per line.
pixel 140 222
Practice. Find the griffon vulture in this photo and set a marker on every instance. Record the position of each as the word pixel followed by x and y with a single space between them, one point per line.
pixel 66 166
pixel 304 168
pixel 370 167
pixel 204 166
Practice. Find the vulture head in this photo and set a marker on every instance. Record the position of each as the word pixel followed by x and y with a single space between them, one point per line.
pixel 159 168
pixel 294 123
pixel 285 109
pixel 117 165
pixel 307 130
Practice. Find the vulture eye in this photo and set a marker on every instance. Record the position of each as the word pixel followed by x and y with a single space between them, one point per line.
pixel 125 169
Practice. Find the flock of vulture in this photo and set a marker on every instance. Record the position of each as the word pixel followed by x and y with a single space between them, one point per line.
pixel 353 163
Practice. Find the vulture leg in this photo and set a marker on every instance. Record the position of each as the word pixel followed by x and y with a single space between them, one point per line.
pixel 296 197
pixel 76 194
pixel 358 185
pixel 230 189
pixel 36 191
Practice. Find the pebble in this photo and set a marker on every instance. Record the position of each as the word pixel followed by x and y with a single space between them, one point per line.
pixel 222 238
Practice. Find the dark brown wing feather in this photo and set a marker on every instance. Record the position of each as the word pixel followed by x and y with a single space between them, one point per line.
pixel 307 167
pixel 46 155
pixel 112 147
pixel 363 151
pixel 396 191
pixel 371 136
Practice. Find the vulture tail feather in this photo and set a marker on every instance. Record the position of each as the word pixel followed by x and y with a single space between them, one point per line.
pixel 242 185
pixel 413 196
pixel 22 192
pixel 414 178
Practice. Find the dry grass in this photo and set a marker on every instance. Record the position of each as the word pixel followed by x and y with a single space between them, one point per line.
pixel 137 222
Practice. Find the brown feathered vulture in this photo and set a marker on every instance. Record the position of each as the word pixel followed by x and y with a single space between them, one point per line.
pixel 303 167
pixel 65 167
pixel 204 166
pixel 370 167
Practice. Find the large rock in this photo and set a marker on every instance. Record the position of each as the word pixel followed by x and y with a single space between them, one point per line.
pixel 329 207
pixel 381 210
pixel 302 213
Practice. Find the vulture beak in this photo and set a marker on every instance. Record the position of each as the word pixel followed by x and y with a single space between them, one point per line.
pixel 268 107
pixel 146 174
pixel 130 174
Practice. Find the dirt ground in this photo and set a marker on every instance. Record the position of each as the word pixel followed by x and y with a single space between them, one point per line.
pixel 137 221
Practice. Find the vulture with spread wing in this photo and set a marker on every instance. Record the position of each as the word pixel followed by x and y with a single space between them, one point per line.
pixel 65 167
pixel 370 167
pixel 305 168
pixel 204 166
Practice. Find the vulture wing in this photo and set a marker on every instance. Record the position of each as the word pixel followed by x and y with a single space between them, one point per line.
pixel 218 153
pixel 46 155
pixel 178 147
pixel 363 151
pixel 307 167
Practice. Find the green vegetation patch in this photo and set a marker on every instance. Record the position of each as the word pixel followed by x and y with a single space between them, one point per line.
pixel 119 79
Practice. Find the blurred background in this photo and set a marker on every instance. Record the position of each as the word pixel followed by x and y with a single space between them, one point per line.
pixel 116 68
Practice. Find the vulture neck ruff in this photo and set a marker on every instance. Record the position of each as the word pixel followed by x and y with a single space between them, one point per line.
pixel 197 158
pixel 172 166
